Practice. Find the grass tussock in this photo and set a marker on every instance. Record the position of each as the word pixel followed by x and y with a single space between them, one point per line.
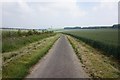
pixel 94 62
pixel 19 67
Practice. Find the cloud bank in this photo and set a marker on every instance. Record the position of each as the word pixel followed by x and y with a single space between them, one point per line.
pixel 58 13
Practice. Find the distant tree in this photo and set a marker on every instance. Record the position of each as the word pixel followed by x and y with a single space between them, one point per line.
pixel 116 26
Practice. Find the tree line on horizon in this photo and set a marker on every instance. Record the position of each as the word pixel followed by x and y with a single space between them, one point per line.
pixel 116 26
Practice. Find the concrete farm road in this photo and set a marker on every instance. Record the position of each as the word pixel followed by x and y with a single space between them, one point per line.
pixel 60 62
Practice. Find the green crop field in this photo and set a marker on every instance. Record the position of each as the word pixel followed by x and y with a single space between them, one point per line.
pixel 15 39
pixel 104 39
pixel 107 36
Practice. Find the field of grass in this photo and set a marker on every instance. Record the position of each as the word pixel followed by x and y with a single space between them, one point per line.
pixel 103 39
pixel 94 62
pixel 13 40
pixel 19 66
pixel 107 36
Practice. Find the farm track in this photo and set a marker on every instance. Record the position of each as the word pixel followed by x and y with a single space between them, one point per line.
pixel 60 62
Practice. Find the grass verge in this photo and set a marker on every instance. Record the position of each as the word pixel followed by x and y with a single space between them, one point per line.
pixel 18 69
pixel 94 62
pixel 16 42
pixel 109 50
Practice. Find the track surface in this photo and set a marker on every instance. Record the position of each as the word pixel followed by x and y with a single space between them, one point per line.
pixel 60 62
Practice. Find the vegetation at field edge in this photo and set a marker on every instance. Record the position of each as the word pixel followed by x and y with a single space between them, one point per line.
pixel 19 68
pixel 13 40
pixel 94 62
pixel 104 40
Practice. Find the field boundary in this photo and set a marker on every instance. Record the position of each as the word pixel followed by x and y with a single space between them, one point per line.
pixel 9 56
pixel 14 40
pixel 13 70
pixel 109 50
pixel 94 62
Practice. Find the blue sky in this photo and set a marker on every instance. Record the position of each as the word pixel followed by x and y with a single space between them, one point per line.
pixel 58 13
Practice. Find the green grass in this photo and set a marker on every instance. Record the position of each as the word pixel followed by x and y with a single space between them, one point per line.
pixel 107 36
pixel 19 68
pixel 94 62
pixel 11 40
pixel 103 39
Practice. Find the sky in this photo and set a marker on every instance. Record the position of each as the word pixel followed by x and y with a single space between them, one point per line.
pixel 42 14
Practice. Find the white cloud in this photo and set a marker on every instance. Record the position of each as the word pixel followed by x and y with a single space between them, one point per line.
pixel 107 12
pixel 30 14
pixel 47 13
pixel 24 6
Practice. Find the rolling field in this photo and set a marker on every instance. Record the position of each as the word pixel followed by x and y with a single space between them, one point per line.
pixel 104 39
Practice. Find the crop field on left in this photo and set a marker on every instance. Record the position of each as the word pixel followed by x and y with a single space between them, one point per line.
pixel 13 40
pixel 25 48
